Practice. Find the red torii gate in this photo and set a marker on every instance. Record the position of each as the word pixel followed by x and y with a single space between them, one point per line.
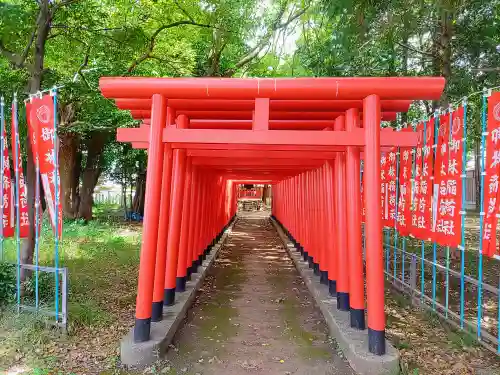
pixel 204 134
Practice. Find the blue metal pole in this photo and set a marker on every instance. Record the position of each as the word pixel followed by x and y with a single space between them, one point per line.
pixel 396 217
pixel 434 245
pixel 403 259
pixel 422 258
pixel 481 221
pixel 37 223
pixel 462 247
pixel 56 205
pixel 16 170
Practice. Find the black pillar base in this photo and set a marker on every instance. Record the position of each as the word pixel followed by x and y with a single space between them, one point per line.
pixel 200 259
pixel 157 311
pixel 376 341
pixel 343 301
pixel 323 278
pixel 305 255
pixel 316 269
pixel 310 260
pixel 301 249
pixel 194 266
pixel 332 287
pixel 358 318
pixel 142 329
pixel 189 271
pixel 169 297
pixel 180 284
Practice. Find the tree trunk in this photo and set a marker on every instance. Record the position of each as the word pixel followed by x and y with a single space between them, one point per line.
pixel 140 194
pixel 91 173
pixel 34 84
pixel 404 66
pixel 442 48
pixel 70 168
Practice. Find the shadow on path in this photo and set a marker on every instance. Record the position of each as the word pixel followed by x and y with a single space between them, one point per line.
pixel 254 314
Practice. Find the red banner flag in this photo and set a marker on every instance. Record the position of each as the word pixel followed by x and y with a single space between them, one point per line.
pixel 383 188
pixel 491 178
pixel 42 142
pixel 415 193
pixel 391 187
pixel 422 216
pixel 22 198
pixel 404 201
pixel 449 162
pixel 42 120
pixel 8 209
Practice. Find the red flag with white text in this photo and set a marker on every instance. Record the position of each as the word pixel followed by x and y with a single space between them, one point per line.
pixel 43 141
pixel 449 164
pixel 22 197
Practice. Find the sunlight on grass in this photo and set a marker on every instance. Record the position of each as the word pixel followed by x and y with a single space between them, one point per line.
pixel 102 260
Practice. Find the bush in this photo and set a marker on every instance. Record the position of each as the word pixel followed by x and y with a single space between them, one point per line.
pixel 46 288
pixel 7 283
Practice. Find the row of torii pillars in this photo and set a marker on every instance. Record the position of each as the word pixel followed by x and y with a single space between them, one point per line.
pixel 306 136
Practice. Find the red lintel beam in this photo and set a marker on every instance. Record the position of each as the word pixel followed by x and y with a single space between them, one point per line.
pixel 140 114
pixel 281 137
pixel 397 88
pixel 273 124
pixel 274 105
pixel 321 155
pixel 255 162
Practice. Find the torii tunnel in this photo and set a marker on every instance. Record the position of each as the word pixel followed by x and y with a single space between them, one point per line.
pixel 305 136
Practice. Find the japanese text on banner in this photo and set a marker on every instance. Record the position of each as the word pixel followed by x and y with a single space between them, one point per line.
pixel 22 199
pixel 8 208
pixel 404 201
pixel 449 164
pixel 42 141
pixel 421 224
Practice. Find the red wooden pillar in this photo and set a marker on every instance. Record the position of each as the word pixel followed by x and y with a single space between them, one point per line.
pixel 317 235
pixel 324 227
pixel 305 218
pixel 190 264
pixel 332 229
pixel 310 242
pixel 161 248
pixel 356 281
pixel 180 282
pixel 373 226
pixel 341 223
pixel 151 218
pixel 174 225
pixel 199 221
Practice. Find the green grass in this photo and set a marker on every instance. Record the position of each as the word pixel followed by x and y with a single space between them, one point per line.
pixel 101 258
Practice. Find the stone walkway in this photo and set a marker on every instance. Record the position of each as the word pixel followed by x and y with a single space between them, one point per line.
pixel 254 314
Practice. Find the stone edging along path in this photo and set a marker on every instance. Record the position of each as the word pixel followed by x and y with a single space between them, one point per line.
pixel 353 343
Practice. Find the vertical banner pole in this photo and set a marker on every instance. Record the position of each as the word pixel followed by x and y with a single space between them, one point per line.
pixel 37 224
pixel 422 244
pixel 434 244
pixel 56 204
pixel 16 170
pixel 462 247
pixel 395 248
pixel 481 219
